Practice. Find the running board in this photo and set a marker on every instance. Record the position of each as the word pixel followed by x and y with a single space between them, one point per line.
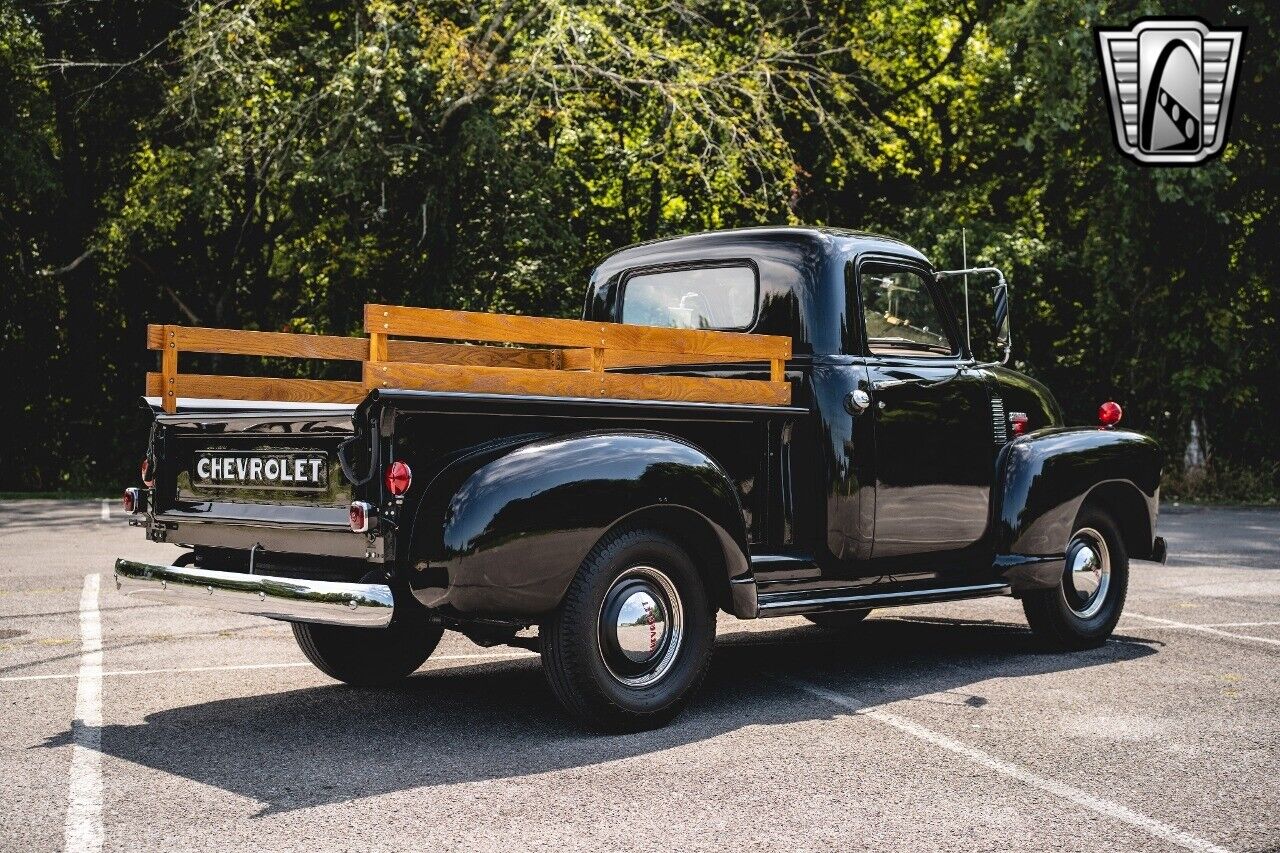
pixel 814 601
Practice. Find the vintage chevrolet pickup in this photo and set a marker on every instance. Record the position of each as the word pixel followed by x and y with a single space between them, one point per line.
pixel 765 422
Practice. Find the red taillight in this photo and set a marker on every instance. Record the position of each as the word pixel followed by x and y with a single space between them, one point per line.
pixel 132 500
pixel 1019 422
pixel 398 478
pixel 1109 414
pixel 148 478
pixel 359 514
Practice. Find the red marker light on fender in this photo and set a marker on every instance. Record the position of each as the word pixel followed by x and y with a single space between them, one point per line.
pixel 148 478
pixel 1019 422
pixel 1109 414
pixel 398 478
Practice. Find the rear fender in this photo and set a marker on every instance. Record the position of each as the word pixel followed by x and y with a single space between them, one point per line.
pixel 514 531
pixel 1045 478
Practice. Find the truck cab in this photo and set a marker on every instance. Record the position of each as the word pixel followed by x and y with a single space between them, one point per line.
pixel 898 477
pixel 902 470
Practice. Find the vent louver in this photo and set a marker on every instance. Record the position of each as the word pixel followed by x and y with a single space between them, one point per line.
pixel 999 421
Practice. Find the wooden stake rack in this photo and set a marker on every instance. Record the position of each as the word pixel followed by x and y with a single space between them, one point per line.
pixel 419 349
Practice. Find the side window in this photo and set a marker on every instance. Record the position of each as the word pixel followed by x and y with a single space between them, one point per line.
pixel 701 298
pixel 901 315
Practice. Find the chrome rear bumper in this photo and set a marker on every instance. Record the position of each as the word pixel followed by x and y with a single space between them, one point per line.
pixel 358 605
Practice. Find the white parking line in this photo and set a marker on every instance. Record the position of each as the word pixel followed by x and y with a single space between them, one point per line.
pixel 1187 626
pixel 1102 806
pixel 241 666
pixel 83 828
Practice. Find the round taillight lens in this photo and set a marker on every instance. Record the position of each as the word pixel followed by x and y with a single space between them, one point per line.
pixel 148 478
pixel 1110 413
pixel 398 478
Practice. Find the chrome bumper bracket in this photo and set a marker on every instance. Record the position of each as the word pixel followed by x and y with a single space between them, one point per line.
pixel 357 605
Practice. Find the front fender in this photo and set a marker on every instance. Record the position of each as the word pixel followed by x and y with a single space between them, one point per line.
pixel 1046 476
pixel 516 530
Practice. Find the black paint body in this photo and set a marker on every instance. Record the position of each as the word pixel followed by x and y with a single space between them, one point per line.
pixel 787 509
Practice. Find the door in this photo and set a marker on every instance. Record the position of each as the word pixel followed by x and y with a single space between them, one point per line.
pixel 934 443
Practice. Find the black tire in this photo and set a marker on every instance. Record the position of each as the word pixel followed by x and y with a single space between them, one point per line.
pixel 368 657
pixel 839 621
pixel 585 663
pixel 1060 616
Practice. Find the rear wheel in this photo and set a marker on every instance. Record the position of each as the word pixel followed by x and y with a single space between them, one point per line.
pixel 1083 609
pixel 368 657
pixel 841 620
pixel 633 637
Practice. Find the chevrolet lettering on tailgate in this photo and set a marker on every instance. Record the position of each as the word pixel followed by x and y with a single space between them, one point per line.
pixel 261 470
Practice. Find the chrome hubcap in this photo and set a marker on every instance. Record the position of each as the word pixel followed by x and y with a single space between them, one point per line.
pixel 640 627
pixel 641 624
pixel 1088 574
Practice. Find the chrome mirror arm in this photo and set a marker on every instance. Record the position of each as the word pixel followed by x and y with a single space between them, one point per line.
pixel 1001 292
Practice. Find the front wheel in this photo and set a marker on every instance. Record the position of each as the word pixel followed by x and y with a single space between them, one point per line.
pixel 1083 609
pixel 368 657
pixel 632 640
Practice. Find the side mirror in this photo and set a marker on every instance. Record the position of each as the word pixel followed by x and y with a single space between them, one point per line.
pixel 1000 296
pixel 1004 339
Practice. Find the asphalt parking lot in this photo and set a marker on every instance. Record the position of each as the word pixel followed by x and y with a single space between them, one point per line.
pixel 930 728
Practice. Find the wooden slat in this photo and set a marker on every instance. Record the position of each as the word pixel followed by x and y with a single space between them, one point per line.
pixel 506 380
pixel 284 344
pixel 202 386
pixel 545 331
pixel 428 352
pixel 580 359
pixel 155 336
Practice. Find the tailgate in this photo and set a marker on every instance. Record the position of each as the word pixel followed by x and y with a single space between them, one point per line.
pixel 236 479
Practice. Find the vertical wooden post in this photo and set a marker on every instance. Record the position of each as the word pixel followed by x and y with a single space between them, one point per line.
pixel 378 346
pixel 169 368
pixel 597 367
pixel 377 359
pixel 777 370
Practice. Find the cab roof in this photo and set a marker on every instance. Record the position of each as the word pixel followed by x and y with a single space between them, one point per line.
pixel 845 240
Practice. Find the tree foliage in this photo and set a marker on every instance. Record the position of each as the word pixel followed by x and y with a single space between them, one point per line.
pixel 278 163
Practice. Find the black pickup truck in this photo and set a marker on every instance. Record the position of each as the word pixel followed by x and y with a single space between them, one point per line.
pixel 903 471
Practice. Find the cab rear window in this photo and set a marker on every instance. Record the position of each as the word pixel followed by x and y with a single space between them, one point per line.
pixel 694 298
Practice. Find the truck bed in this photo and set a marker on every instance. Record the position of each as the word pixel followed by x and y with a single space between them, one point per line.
pixel 431 428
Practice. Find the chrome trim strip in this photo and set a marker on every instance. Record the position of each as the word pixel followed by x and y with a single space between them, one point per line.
pixel 879 599
pixel 176 517
pixel 358 605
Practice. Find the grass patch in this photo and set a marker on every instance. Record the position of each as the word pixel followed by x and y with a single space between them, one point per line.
pixel 1225 483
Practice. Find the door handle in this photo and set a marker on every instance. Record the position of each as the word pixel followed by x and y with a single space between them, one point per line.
pixel 857 401
pixel 885 384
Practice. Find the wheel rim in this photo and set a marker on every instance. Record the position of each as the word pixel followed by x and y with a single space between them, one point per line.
pixel 641 626
pixel 1088 573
